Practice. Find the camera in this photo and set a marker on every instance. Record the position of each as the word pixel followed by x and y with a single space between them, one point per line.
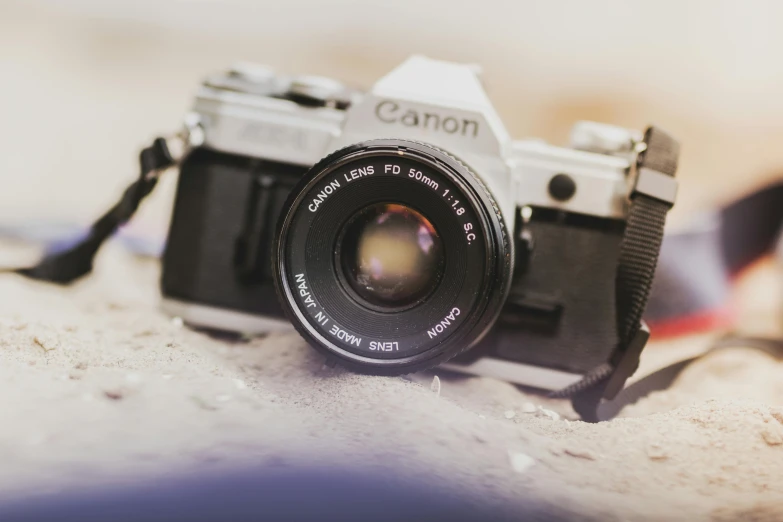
pixel 401 228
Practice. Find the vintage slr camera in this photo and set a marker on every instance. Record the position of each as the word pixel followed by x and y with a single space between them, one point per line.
pixel 401 226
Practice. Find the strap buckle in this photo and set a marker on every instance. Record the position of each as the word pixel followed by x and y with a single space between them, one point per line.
pixel 626 362
pixel 655 184
pixel 168 151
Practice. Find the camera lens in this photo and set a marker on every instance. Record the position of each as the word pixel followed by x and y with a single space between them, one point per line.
pixel 391 256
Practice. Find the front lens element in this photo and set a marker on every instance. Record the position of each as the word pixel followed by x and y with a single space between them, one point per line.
pixel 391 255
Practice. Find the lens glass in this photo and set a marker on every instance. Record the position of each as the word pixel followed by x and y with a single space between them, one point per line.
pixel 391 255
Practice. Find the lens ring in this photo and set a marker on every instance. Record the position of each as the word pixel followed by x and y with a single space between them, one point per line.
pixel 475 279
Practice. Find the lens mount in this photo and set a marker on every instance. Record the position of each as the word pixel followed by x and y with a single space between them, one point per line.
pixel 422 214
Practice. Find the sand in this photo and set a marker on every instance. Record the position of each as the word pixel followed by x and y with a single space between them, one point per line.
pixel 97 386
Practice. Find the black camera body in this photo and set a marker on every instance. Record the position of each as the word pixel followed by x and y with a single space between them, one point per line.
pixel 217 259
pixel 519 240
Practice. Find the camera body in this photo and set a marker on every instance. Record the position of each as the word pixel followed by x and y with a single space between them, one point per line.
pixel 561 211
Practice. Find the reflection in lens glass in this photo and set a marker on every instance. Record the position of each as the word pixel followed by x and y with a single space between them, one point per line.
pixel 391 255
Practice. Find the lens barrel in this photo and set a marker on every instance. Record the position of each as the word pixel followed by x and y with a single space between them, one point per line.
pixel 391 257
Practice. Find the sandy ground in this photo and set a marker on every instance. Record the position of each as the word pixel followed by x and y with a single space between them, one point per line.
pixel 97 386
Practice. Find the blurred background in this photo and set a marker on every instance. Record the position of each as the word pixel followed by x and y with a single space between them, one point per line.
pixel 85 83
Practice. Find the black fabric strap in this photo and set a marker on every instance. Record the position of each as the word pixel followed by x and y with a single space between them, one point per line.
pixel 636 265
pixel 69 265
pixel 643 237
pixel 697 262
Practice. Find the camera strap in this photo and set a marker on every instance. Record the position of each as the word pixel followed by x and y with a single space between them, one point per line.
pixel 66 266
pixel 651 198
pixel 692 286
